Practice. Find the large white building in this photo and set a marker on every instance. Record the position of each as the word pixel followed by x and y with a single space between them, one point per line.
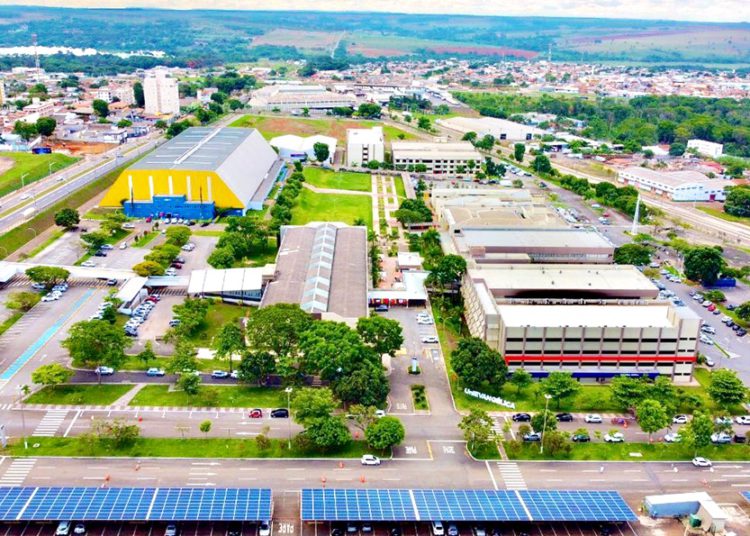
pixel 706 148
pixel 161 93
pixel 296 148
pixel 438 158
pixel 676 185
pixel 297 97
pixel 364 145
pixel 501 129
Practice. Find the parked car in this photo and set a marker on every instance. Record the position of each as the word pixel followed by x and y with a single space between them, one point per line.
pixel 79 529
pixel 680 419
pixel 369 459
pixel 153 371
pixel 170 272
pixel 280 413
pixel 672 437
pixel 63 529
pixel 581 438
pixel 352 528
pixel 593 418
pixel 742 419
pixel 564 417
pixel 104 371
pixel 111 282
pixel 710 362
pixel 705 328
pixel 255 413
pixel 452 530
pixel 88 264
pixel 220 374
pixel 521 417
pixel 532 436
pixel 721 438
pixel 616 437
pixel 381 308
pixel 264 529
pixel 174 322
pixel 52 296
pixel 723 420
pixel 700 461
pixel 740 437
pixel 430 339
pixel 380 413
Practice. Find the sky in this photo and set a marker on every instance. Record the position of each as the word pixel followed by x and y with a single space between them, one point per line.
pixel 693 10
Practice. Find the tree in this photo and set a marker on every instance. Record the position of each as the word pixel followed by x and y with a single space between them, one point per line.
pixel 222 258
pixel 384 335
pixel 46 126
pixel 738 201
pixel 541 164
pixel 556 442
pixel 627 392
pixel 519 149
pixel 256 366
pixel 94 241
pixel 676 149
pixel 652 416
pixel 743 311
pixel 67 218
pixel 477 364
pixel 94 343
pixel 636 254
pixel 333 350
pixel 362 416
pixel 560 385
pixel 704 264
pixel 448 271
pixel 178 235
pixel 192 314
pixel 470 137
pixel 538 423
pixel 277 329
pixel 367 385
pixel 521 379
pixel 328 433
pixel 230 340
pixel 51 374
pixel 147 355
pixel 118 432
pixel 310 404
pixel 369 110
pixel 385 433
pixel 49 276
pixel 726 389
pixel 424 123
pixel 190 384
pixel 101 108
pixel 22 301
pixel 140 100
pixel 477 428
pixel 205 427
pixel 322 152
pixel 148 268
pixel 183 361
pixel 697 432
pixel 25 130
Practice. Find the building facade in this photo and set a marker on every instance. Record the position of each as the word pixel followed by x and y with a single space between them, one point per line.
pixel 706 148
pixel 675 185
pixel 439 158
pixel 364 145
pixel 161 93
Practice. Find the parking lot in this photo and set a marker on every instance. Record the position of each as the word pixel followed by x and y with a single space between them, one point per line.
pixel 466 529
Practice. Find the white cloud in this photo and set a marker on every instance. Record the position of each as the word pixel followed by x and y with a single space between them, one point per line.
pixel 694 10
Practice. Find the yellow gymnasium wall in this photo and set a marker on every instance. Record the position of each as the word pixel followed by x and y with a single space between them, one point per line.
pixel 218 191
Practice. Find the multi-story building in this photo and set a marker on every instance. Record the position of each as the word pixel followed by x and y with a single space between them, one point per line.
pixel 676 185
pixel 706 148
pixel 438 158
pixel 161 93
pixel 593 321
pixel 364 145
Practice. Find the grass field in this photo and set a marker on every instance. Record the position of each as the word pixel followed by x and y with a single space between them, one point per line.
pixel 32 167
pixel 153 447
pixel 716 213
pixel 8 322
pixel 324 178
pixel 229 396
pixel 146 239
pixel 271 126
pixel 400 190
pixel 331 207
pixel 79 394
pixel 218 315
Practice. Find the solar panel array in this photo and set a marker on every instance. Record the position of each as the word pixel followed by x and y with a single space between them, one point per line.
pixel 463 505
pixel 357 505
pixel 134 504
pixel 746 495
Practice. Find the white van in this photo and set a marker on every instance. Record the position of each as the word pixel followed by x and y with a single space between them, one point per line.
pixel 63 529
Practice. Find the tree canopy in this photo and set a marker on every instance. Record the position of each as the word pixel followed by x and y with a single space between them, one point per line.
pixel 477 365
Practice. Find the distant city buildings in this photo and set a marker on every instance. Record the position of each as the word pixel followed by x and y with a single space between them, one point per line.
pixel 161 93
pixel 364 145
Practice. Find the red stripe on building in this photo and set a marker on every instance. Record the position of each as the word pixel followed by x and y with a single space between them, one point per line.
pixel 567 357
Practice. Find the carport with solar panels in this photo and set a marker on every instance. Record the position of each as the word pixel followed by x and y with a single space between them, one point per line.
pixel 134 504
pixel 484 506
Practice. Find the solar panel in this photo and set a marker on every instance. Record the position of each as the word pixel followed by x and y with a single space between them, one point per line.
pixel 12 501
pixel 564 505
pixel 746 495
pixel 357 505
pixel 229 504
pixel 88 504
pixel 469 505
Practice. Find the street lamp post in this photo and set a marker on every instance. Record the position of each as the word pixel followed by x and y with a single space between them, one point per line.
pixel 288 392
pixel 544 426
pixel 23 390
pixel 22 180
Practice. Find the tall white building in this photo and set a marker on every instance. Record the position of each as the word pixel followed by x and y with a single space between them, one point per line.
pixel 2 92
pixel 364 145
pixel 160 93
pixel 706 148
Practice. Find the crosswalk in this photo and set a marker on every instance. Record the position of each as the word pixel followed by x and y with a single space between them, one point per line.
pixel 49 424
pixel 17 472
pixel 497 426
pixel 511 475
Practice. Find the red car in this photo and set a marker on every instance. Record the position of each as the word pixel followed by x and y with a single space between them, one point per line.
pixel 148 220
pixel 711 307
pixel 255 414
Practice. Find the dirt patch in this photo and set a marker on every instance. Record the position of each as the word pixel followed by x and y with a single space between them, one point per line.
pixel 78 148
pixel 6 164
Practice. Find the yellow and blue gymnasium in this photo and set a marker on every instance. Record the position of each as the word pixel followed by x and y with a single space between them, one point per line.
pixel 199 173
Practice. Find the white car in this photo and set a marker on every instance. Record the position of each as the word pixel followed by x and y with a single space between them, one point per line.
pixel 721 438
pixel 425 321
pixel 438 529
pixel 124 245
pixel 51 297
pixel 680 419
pixel 88 264
pixel 593 418
pixel 379 413
pixel 724 420
pixel 617 437
pixel 79 529
pixel 742 419
pixel 432 339
pixel 264 529
pixel 672 437
pixel 699 461
pixel 369 459
pixel 706 340
pixel 705 328
pixel 710 362
pixel 170 272
pixel 104 371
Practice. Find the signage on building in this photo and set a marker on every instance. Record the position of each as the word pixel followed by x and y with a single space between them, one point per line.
pixel 489 398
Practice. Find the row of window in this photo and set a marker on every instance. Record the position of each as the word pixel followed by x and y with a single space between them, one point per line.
pixel 577 340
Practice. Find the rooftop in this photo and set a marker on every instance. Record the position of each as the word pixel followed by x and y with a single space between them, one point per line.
pixel 417 149
pixel 632 316
pixel 534 238
pixel 365 136
pixel 675 178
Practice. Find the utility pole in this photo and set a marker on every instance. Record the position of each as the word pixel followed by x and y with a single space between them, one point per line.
pixel 36 53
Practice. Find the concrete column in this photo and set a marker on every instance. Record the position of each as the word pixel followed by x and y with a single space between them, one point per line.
pixel 130 187
pixel 151 187
pixel 209 193
pixel 189 190
pixel 171 185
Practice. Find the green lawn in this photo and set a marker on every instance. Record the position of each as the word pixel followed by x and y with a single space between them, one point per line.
pixel 227 396
pixel 724 216
pixel 32 167
pixel 624 451
pixel 208 233
pixel 271 126
pixel 331 207
pixel 218 314
pixel 146 239
pixel 400 190
pixel 79 394
pixel 204 365
pixel 324 178
pixel 8 322
pixel 152 447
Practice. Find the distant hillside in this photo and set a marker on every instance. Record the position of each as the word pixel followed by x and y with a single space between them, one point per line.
pixel 208 37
